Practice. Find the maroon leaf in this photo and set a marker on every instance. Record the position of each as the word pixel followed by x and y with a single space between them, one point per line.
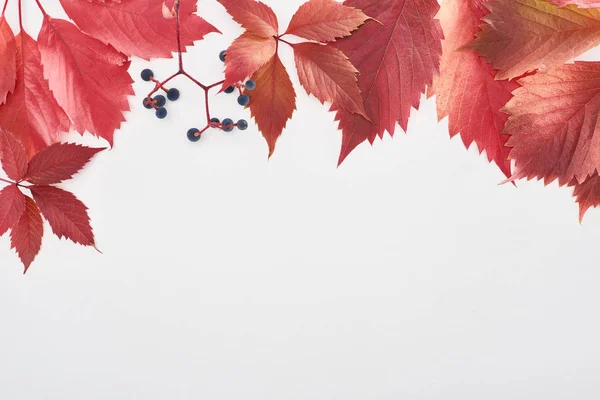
pixel 12 156
pixel 66 214
pixel 26 235
pixel 138 27
pixel 8 63
pixel 58 163
pixel 12 206
pixel 587 194
pixel 31 113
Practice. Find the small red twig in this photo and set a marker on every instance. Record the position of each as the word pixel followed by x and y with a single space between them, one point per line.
pixel 39 6
pixel 4 8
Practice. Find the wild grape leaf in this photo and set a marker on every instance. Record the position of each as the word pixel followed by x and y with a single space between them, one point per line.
pixel 326 73
pixel 273 101
pixel 467 91
pixel 8 66
pixel 138 27
pixel 246 55
pixel 12 156
pixel 88 78
pixel 325 20
pixel 555 126
pixel 26 235
pixel 522 36
pixel 31 113
pixel 12 206
pixel 397 54
pixel 58 162
pixel 587 194
pixel 255 16
pixel 66 214
pixel 578 3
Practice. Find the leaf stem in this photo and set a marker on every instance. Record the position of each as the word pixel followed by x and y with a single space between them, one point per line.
pixel 20 15
pixel 4 8
pixel 41 8
pixel 284 41
pixel 7 181
pixel 178 28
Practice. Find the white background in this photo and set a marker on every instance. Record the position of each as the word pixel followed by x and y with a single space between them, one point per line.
pixel 408 273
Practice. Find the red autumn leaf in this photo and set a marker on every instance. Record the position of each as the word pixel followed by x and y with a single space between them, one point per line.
pixel 397 54
pixel 26 235
pixel 325 20
pixel 58 162
pixel 578 3
pixel 255 16
pixel 12 156
pixel 66 214
pixel 555 125
pixel 522 36
pixel 12 206
pixel 273 101
pixel 31 112
pixel 8 63
pixel 137 27
pixel 326 73
pixel 245 56
pixel 88 78
pixel 466 89
pixel 587 194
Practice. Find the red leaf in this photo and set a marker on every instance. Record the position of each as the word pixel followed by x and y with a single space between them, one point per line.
pixel 326 73
pixel 26 235
pixel 555 126
pixel 522 36
pixel 255 16
pixel 12 156
pixel 397 55
pixel 31 112
pixel 325 20
pixel 12 206
pixel 88 78
pixel 58 163
pixel 137 27
pixel 245 56
pixel 8 66
pixel 273 101
pixel 466 88
pixel 578 3
pixel 587 194
pixel 67 215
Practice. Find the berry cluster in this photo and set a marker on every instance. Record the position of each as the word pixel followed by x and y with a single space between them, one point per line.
pixel 158 102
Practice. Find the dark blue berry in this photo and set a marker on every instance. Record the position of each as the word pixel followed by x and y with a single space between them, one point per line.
pixel 228 125
pixel 230 89
pixel 193 135
pixel 148 104
pixel 243 100
pixel 214 121
pixel 161 113
pixel 250 85
pixel 173 94
pixel 223 55
pixel 160 100
pixel 147 75
pixel 242 124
